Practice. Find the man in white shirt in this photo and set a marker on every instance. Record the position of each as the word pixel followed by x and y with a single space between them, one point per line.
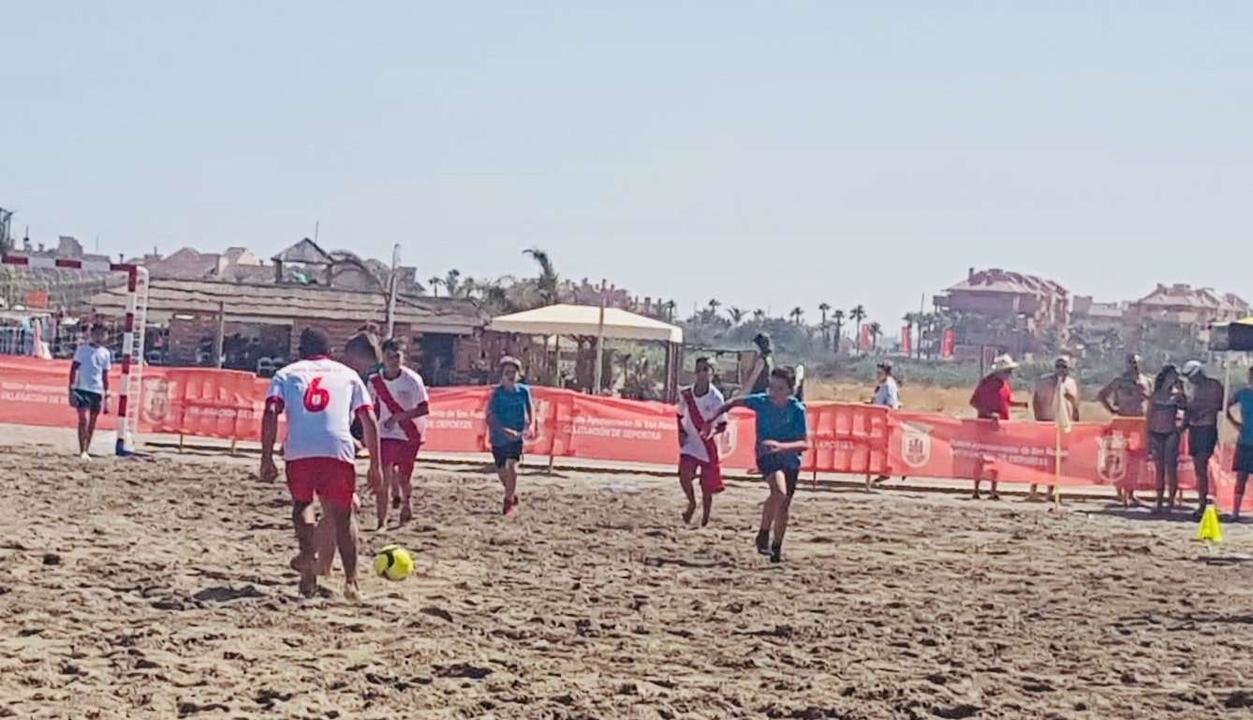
pixel 698 409
pixel 403 404
pixel 89 385
pixel 320 397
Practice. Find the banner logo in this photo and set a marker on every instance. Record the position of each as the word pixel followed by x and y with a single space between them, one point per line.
pixel 1111 457
pixel 915 444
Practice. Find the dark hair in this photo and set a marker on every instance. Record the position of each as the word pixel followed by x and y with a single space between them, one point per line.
pixel 395 345
pixel 314 342
pixel 885 366
pixel 1160 380
pixel 704 361
pixel 785 373
pixel 364 343
pixel 97 327
pixel 762 341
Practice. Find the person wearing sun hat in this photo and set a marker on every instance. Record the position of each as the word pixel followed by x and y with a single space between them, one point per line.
pixel 1205 402
pixel 993 398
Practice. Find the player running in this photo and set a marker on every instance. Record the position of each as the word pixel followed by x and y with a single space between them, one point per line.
pixel 697 410
pixel 510 420
pixel 320 396
pixel 782 436
pixel 89 385
pixel 403 404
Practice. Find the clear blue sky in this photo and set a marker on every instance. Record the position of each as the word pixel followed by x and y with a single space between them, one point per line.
pixel 768 154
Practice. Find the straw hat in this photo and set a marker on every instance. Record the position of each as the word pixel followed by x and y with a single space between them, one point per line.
pixel 1002 363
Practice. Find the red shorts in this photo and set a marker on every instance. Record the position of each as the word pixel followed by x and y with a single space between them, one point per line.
pixel 334 481
pixel 692 467
pixel 399 453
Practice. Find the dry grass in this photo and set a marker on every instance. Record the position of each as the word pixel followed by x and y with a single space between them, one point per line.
pixel 930 398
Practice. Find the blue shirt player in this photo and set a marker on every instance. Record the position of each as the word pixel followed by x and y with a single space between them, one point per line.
pixel 782 437
pixel 1244 444
pixel 510 421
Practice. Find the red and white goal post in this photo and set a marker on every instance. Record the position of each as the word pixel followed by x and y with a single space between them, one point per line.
pixel 128 401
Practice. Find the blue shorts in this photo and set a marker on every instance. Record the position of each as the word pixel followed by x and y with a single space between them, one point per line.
pixel 502 454
pixel 88 400
pixel 775 462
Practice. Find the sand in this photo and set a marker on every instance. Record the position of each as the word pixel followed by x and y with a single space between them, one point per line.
pixel 161 589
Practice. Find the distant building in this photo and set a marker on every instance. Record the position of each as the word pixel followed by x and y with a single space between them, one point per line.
pixel 1007 311
pixel 1177 312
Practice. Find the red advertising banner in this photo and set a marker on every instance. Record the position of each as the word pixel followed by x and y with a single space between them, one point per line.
pixel 948 343
pixel 845 438
pixel 907 338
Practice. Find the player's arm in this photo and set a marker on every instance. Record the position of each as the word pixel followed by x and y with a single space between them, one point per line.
pixel 1230 404
pixel 1103 397
pixel 74 365
pixel 104 384
pixel 269 435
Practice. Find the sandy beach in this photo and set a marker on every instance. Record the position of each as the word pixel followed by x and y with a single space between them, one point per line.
pixel 133 589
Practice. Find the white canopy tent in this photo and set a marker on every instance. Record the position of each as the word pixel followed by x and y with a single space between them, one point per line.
pixel 601 323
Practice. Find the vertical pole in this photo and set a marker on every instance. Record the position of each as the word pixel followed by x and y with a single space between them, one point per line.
pixel 392 289
pixel 128 349
pixel 220 337
pixel 600 342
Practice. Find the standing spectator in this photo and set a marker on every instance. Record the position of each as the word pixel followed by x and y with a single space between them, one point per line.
pixel 89 385
pixel 1167 406
pixel 887 393
pixel 1244 444
pixel 1051 390
pixel 992 400
pixel 1126 396
pixel 1204 404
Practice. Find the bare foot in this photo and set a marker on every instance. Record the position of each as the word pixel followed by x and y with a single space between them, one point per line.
pixel 352 593
pixel 976 496
pixel 688 513
pixel 406 514
pixel 308 585
pixel 1034 498
pixel 994 495
pixel 880 479
pixel 704 521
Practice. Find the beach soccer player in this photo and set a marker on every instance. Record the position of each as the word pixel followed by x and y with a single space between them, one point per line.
pixel 782 436
pixel 510 421
pixel 992 400
pixel 319 397
pixel 698 453
pixel 1244 443
pixel 403 403
pixel 89 385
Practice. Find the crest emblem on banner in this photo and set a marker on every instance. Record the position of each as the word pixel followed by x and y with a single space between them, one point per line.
pixel 1111 457
pixel 156 400
pixel 915 444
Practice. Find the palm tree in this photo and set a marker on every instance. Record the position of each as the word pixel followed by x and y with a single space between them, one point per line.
pixel 837 319
pixel 435 281
pixel 910 319
pixel 547 285
pixel 737 315
pixel 797 315
pixel 826 335
pixel 714 304
pixel 452 282
pixel 759 315
pixel 670 306
pixel 857 314
pixel 876 330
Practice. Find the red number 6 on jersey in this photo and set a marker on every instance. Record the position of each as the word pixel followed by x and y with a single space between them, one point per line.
pixel 316 396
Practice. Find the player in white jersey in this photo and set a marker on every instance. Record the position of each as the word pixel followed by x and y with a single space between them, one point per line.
pixel 320 397
pixel 699 408
pixel 403 403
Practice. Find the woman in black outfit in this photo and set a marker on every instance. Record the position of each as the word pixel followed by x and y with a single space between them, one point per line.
pixel 1166 407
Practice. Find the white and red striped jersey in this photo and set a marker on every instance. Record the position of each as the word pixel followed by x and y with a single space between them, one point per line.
pixel 320 397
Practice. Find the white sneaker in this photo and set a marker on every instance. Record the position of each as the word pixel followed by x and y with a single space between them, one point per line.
pixel 84 456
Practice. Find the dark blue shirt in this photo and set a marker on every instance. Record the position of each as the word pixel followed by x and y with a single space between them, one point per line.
pixel 781 424
pixel 510 410
pixel 1244 398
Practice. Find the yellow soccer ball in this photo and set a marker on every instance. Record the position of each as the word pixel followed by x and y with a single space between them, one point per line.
pixel 393 562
